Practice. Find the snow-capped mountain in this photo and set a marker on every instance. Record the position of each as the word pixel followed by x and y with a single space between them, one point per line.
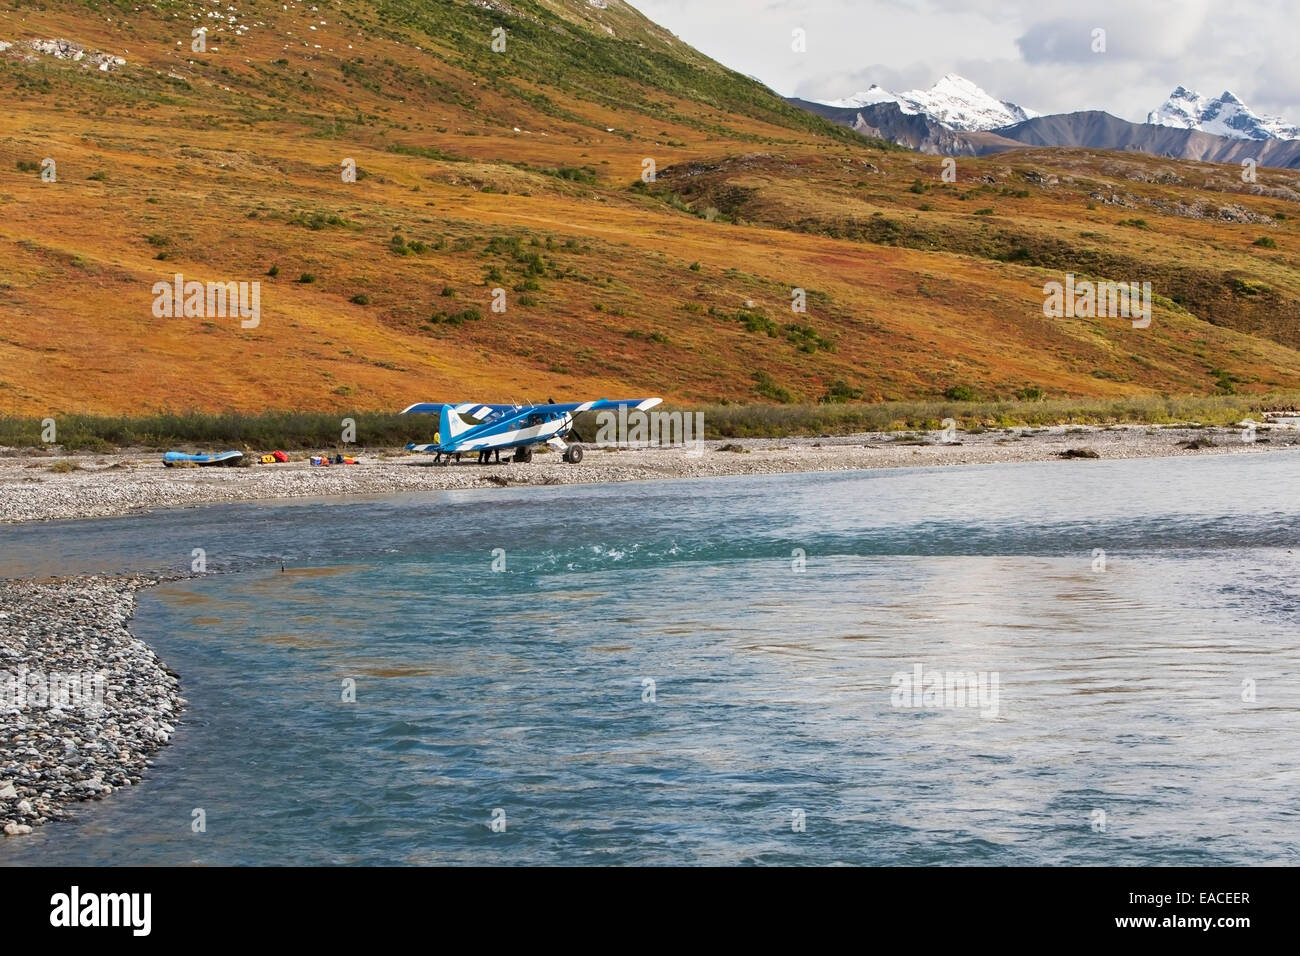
pixel 869 97
pixel 1224 115
pixel 954 101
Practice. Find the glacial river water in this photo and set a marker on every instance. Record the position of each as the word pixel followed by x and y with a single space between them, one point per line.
pixel 712 671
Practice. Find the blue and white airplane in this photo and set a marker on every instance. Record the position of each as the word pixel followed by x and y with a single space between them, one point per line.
pixel 482 428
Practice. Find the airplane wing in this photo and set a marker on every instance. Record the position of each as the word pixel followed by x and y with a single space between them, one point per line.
pixel 422 408
pixel 640 404
pixel 475 410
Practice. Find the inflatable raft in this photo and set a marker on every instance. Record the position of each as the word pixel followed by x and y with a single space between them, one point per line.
pixel 221 458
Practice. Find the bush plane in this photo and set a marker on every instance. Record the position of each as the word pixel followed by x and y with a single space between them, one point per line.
pixel 484 428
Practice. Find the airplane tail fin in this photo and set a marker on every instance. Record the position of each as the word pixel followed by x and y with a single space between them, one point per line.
pixel 451 425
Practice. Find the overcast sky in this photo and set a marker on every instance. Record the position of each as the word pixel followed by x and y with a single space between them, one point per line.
pixel 1033 52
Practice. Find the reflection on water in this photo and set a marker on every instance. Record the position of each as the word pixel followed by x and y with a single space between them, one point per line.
pixel 652 680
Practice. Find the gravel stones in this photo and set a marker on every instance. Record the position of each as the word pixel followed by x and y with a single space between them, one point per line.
pixel 83 702
pixel 104 485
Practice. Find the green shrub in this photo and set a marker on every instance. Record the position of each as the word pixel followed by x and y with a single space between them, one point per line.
pixel 317 221
pixel 300 430
pixel 757 321
pixel 456 318
pixel 840 392
pixel 585 175
pixel 765 386
pixel 806 339
pixel 1246 287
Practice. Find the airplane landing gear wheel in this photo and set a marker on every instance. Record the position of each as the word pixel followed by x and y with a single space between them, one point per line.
pixel 573 454
pixel 523 455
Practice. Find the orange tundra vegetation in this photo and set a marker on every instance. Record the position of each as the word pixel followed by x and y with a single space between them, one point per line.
pixel 522 170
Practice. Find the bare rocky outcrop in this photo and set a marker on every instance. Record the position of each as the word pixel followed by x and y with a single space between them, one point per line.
pixel 62 49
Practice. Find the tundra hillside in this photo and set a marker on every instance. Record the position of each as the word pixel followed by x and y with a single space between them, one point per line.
pixel 507 146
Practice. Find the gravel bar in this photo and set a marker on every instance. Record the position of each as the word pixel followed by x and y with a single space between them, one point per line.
pixel 43 487
pixel 84 702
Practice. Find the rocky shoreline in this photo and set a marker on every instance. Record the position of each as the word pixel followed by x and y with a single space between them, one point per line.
pixel 85 703
pixel 36 486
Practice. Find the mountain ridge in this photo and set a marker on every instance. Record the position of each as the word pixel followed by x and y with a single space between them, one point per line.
pixel 1224 115
pixel 1091 129
pixel 1096 129
pixel 962 106
pixel 953 101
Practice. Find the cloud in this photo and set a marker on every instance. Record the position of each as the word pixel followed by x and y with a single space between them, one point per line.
pixel 830 85
pixel 1038 53
pixel 1114 31
pixel 1072 41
